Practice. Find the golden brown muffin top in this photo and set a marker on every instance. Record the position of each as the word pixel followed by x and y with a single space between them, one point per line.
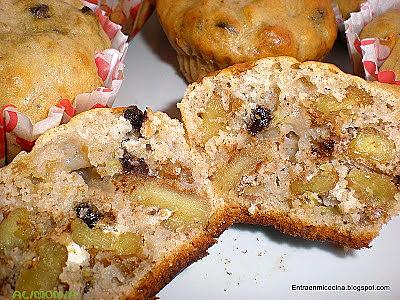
pixel 47 53
pixel 387 28
pixel 387 25
pixel 348 6
pixel 232 31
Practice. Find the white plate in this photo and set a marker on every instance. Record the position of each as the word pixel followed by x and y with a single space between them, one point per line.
pixel 252 261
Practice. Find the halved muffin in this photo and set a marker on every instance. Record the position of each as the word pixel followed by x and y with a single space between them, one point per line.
pixel 109 205
pixel 302 147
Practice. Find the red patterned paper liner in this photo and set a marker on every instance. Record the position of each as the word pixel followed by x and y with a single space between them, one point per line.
pixel 15 125
pixel 369 54
pixel 131 14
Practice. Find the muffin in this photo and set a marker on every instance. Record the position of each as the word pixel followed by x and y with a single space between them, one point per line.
pixel 108 206
pixel 305 148
pixel 210 35
pixel 348 6
pixel 47 53
pixel 386 28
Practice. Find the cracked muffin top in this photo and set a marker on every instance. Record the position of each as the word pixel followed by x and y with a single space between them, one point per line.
pixel 232 31
pixel 47 53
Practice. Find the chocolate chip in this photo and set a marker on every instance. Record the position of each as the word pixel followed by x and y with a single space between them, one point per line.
pixel 40 11
pixel 86 10
pixel 133 165
pixel 261 119
pixel 135 116
pixel 324 148
pixel 226 26
pixel 88 213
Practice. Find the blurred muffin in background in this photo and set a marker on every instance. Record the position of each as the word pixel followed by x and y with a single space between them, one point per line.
pixel 386 28
pixel 210 35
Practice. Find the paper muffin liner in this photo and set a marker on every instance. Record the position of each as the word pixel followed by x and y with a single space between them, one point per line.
pixel 368 55
pixel 338 16
pixel 131 14
pixel 17 133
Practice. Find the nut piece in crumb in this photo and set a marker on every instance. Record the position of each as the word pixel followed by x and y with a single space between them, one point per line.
pixel 88 213
pixel 261 119
pixel 135 116
pixel 133 165
pixel 323 148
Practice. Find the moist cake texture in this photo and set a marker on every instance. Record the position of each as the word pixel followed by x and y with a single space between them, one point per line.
pixel 303 147
pixel 117 202
pixel 108 206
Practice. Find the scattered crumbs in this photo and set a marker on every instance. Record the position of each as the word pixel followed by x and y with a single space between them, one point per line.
pixel 281 263
pixel 244 251
pixel 226 261
pixel 229 273
pixel 238 283
pixel 258 240
pixel 224 290
pixel 261 253
pixel 235 239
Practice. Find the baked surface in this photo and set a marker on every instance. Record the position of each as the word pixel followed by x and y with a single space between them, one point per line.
pixel 210 35
pixel 302 147
pixel 387 28
pixel 47 53
pixel 348 6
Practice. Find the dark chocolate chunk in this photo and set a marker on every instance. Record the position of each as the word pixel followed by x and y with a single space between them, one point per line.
pixel 86 10
pixel 88 213
pixel 261 119
pixel 135 116
pixel 226 26
pixel 133 165
pixel 324 148
pixel 40 11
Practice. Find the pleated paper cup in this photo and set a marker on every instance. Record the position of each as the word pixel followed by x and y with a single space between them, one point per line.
pixel 130 14
pixel 18 133
pixel 368 55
